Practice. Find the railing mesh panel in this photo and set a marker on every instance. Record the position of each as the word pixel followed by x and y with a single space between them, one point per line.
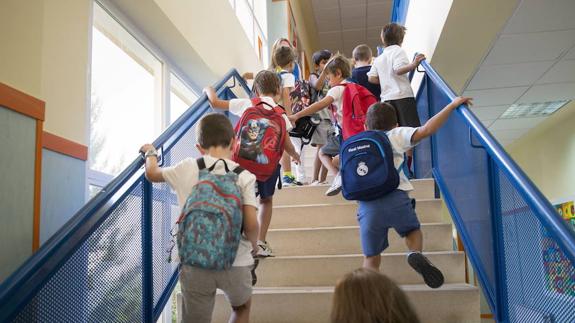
pixel 102 280
pixel 540 279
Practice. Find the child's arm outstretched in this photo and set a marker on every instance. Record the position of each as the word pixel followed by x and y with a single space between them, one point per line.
pixel 250 225
pixel 153 171
pixel 214 100
pixel 433 124
pixel 411 66
pixel 321 104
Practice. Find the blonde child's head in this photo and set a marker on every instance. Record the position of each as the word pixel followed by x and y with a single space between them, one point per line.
pixel 362 54
pixel 392 34
pixel 281 42
pixel 365 295
pixel 338 69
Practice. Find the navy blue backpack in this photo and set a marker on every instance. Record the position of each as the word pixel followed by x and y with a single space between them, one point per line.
pixel 367 170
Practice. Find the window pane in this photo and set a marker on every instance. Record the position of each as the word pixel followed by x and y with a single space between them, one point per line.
pixel 246 19
pixel 181 98
pixel 261 15
pixel 125 95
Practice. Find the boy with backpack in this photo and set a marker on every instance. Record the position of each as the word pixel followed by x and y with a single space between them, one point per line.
pixel 217 229
pixel 390 70
pixel 362 56
pixel 261 139
pixel 350 102
pixel 372 174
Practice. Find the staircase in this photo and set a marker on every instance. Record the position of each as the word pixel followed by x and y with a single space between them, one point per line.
pixel 316 241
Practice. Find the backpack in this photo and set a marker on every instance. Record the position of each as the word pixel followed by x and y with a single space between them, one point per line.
pixel 355 101
pixel 260 135
pixel 210 225
pixel 367 170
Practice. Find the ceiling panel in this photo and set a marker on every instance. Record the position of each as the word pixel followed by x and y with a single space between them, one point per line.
pixel 571 54
pixel 538 15
pixel 515 124
pixel 519 48
pixel 374 32
pixel 549 92
pixel 330 36
pixel 487 113
pixel 328 25
pixel 496 76
pixel 487 123
pixel 345 3
pixel 327 13
pixel 563 71
pixel 354 24
pixel 355 12
pixel 324 4
pixel 494 97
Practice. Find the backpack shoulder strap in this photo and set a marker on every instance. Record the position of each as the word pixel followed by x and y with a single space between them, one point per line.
pixel 201 163
pixel 238 170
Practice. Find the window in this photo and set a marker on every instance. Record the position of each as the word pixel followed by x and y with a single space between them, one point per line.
pixel 252 15
pixel 181 97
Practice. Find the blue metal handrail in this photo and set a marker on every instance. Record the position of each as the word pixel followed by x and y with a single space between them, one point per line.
pixel 22 285
pixel 545 211
pixel 433 93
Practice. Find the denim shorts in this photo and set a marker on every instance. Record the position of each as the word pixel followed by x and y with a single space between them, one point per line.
pixel 375 217
pixel 332 145
pixel 268 188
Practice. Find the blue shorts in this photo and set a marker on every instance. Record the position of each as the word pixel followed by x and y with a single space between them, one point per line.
pixel 268 188
pixel 393 210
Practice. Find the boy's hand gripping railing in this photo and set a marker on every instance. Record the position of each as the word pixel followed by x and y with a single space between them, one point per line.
pixel 24 285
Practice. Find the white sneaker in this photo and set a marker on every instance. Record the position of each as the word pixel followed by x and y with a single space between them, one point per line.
pixel 335 187
pixel 315 183
pixel 264 250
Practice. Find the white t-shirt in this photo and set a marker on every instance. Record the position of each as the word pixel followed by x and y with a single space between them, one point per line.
pixel 182 178
pixel 400 139
pixel 323 113
pixel 393 86
pixel 336 92
pixel 287 79
pixel 239 106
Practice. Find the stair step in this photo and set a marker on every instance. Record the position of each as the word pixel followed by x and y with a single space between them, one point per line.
pixel 297 271
pixel 450 303
pixel 342 214
pixel 345 240
pixel 305 195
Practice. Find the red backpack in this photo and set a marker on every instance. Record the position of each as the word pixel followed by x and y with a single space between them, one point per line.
pixel 260 135
pixel 355 102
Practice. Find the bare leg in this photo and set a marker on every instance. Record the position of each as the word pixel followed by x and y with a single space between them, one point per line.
pixel 372 262
pixel 265 217
pixel 317 165
pixel 414 240
pixel 286 162
pixel 323 174
pixel 241 314
pixel 328 163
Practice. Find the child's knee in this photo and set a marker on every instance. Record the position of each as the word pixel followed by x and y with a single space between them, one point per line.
pixel 266 200
pixel 243 307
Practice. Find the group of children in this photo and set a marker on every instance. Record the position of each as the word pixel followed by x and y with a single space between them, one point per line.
pixel 219 143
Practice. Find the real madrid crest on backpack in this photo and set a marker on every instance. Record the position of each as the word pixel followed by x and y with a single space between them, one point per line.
pixel 368 171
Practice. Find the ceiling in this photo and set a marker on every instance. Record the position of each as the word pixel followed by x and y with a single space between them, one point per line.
pixel 344 24
pixel 531 60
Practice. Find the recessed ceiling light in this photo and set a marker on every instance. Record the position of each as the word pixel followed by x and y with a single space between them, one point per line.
pixel 530 110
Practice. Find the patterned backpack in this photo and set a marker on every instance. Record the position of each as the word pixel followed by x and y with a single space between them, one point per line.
pixel 210 225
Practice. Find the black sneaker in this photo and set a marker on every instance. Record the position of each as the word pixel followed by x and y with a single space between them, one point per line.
pixel 253 271
pixel 431 275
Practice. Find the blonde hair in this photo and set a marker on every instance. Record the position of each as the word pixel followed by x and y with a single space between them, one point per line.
pixel 277 44
pixel 368 296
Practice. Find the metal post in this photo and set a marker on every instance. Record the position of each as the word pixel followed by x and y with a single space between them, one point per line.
pixel 501 302
pixel 147 261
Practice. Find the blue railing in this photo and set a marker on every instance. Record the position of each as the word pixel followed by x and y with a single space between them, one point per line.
pixel 109 262
pixel 521 249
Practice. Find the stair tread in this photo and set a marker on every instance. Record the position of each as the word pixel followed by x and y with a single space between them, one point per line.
pixel 329 289
pixel 390 254
pixel 339 204
pixel 442 224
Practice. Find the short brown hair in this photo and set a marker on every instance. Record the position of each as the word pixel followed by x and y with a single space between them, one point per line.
pixel 214 130
pixel 339 62
pixel 362 53
pixel 381 116
pixel 365 295
pixel 267 82
pixel 284 56
pixel 392 34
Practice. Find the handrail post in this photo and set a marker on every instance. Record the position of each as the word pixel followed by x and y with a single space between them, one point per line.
pixel 147 260
pixel 501 294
